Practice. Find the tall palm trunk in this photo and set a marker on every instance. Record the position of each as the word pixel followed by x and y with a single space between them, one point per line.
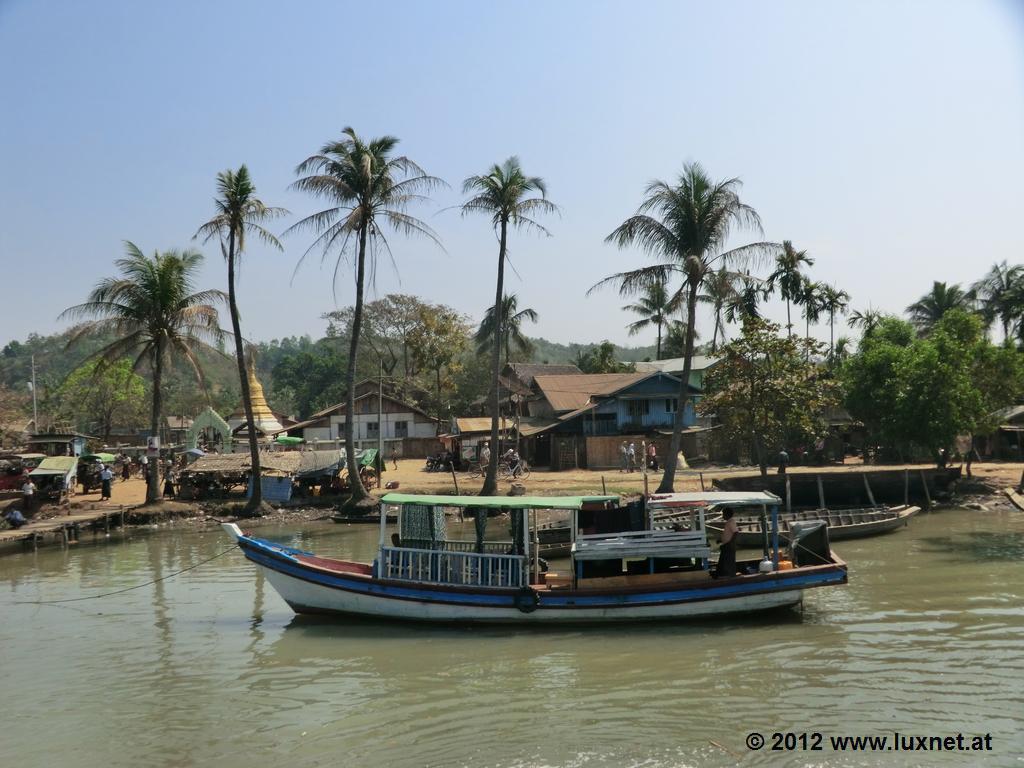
pixel 256 499
pixel 669 478
pixel 832 335
pixel 153 480
pixel 789 320
pixel 491 481
pixel 657 354
pixel 359 494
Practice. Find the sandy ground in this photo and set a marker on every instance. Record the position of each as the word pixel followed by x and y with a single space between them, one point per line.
pixel 412 478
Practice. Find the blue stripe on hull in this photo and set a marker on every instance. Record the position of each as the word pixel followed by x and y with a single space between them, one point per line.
pixel 265 555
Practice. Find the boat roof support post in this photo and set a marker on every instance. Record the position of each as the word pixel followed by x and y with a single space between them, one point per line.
pixel 775 537
pixel 764 529
pixel 383 524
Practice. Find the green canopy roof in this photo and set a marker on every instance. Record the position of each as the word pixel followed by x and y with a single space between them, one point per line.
pixel 497 502
pixel 107 458
pixel 286 440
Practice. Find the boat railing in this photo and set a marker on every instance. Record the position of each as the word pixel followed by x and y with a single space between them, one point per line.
pixel 471 569
pixel 459 545
pixel 642 544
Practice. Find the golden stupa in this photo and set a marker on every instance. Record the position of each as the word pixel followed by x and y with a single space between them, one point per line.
pixel 266 421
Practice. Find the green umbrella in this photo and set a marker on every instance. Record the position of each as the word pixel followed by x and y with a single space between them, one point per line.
pixel 288 440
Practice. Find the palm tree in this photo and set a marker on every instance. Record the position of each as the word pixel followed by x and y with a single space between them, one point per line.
pixel 511 333
pixel 685 226
pixel 1001 295
pixel 367 188
pixel 809 297
pixel 842 349
pixel 654 308
pixel 720 292
pixel 742 306
pixel 789 277
pixel 155 313
pixel 833 302
pixel 867 320
pixel 504 194
pixel 240 212
pixel 929 309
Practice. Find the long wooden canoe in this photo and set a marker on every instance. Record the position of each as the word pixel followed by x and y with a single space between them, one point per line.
pixel 842 524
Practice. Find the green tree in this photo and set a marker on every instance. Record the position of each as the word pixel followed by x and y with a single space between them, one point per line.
pixel 507 196
pixel 684 226
pixel 310 379
pixel 1001 295
pixel 512 334
pixel 653 307
pixel 867 320
pixel 387 324
pixel 789 277
pixel 765 392
pixel 833 302
pixel 154 313
pixel 743 304
pixel 96 397
pixel 917 394
pixel 720 292
pixel 929 309
pixel 811 302
pixel 368 188
pixel 602 359
pixel 239 213
pixel 437 344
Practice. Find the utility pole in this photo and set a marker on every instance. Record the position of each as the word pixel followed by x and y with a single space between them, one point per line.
pixel 380 426
pixel 35 406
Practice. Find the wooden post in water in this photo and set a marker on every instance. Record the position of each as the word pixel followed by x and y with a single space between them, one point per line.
pixel 906 487
pixel 821 493
pixel 927 494
pixel 451 466
pixel 789 496
pixel 604 490
pixel 867 487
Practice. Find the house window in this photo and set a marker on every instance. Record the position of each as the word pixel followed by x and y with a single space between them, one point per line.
pixel 401 429
pixel 638 408
pixel 372 429
pixel 671 404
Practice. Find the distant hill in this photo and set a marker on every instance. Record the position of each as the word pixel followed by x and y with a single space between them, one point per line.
pixel 552 352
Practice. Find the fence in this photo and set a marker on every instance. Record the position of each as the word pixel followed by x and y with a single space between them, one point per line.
pixel 450 567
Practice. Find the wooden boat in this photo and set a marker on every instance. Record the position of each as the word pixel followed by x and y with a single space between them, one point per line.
pixel 842 524
pixel 630 575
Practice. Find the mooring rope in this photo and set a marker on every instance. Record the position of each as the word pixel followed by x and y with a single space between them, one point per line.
pixel 126 589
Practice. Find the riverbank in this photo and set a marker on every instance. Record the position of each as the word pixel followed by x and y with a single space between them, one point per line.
pixel 985 490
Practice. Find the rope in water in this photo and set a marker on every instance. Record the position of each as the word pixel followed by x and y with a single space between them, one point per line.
pixel 127 589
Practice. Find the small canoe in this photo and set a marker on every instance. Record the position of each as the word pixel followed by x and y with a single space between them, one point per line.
pixel 842 523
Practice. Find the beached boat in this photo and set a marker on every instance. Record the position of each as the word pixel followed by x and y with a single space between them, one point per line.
pixel 842 523
pixel 632 574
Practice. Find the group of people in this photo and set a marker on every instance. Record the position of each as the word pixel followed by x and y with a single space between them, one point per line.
pixel 509 458
pixel 628 457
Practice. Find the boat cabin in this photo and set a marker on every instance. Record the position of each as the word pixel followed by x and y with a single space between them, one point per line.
pixel 611 545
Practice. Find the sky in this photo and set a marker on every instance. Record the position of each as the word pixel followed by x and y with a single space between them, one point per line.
pixel 885 138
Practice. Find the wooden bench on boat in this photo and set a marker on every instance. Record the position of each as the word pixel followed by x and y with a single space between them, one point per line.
pixel 642 544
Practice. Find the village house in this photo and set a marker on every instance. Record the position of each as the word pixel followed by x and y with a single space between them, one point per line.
pixel 581 420
pixel 700 366
pixel 404 427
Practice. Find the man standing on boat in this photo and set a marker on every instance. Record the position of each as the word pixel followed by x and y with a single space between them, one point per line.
pixel 727 547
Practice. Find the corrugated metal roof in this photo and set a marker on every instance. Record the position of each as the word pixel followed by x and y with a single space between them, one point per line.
pixel 527 372
pixel 570 393
pixel 675 364
pixel 471 424
pixel 286 462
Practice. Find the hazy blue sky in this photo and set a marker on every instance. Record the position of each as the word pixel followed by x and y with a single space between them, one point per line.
pixel 885 138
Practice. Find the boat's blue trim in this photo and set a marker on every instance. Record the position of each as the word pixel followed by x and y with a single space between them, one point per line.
pixel 271 556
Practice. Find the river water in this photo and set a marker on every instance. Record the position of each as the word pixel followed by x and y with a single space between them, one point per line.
pixel 210 667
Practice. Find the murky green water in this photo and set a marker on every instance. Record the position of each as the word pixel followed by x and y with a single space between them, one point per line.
pixel 212 668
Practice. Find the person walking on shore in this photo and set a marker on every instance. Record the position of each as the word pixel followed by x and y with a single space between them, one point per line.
pixel 652 458
pixel 106 476
pixel 28 495
pixel 624 456
pixel 631 457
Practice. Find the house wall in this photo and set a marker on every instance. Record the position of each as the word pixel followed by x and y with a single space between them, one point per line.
pixel 416 425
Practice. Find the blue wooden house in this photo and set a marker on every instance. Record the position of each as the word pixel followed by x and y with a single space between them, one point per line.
pixel 581 419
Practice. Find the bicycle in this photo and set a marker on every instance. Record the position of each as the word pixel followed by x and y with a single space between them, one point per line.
pixel 521 472
pixel 476 469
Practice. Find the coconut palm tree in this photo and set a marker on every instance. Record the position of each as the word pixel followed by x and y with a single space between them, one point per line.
pixel 929 309
pixel 842 350
pixel 239 213
pixel 156 314
pixel 509 198
pixel 368 189
pixel 512 334
pixel 685 227
pixel 719 292
pixel 789 277
pixel 833 302
pixel 1001 295
pixel 654 308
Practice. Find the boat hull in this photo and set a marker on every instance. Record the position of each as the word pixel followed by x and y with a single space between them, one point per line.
pixel 325 591
pixel 753 538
